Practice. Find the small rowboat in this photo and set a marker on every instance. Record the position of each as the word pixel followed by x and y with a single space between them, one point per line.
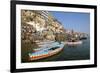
pixel 46 52
pixel 47 45
pixel 74 43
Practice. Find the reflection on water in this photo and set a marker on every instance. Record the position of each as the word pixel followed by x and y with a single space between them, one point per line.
pixel 76 52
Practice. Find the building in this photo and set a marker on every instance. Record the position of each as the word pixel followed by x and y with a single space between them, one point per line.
pixel 43 22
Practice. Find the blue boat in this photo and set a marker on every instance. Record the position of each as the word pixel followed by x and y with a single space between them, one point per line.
pixel 46 51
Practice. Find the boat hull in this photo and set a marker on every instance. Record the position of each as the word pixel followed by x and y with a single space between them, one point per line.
pixel 51 53
pixel 74 43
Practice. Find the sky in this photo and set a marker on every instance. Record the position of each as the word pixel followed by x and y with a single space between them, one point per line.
pixel 77 21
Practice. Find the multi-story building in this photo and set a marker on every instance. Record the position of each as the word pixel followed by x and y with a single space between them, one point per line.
pixel 43 22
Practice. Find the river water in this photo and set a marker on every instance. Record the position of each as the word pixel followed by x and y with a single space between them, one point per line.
pixel 78 52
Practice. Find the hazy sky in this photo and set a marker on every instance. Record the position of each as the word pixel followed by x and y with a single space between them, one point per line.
pixel 74 20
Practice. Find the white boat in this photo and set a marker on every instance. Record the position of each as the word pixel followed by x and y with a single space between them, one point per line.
pixel 73 43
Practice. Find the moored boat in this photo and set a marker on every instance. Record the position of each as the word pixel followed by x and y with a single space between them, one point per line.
pixel 74 43
pixel 46 45
pixel 83 38
pixel 46 52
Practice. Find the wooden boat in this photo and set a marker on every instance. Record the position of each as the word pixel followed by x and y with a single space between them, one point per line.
pixel 46 52
pixel 74 43
pixel 83 38
pixel 47 44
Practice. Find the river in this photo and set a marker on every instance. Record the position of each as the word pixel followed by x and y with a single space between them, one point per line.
pixel 78 52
